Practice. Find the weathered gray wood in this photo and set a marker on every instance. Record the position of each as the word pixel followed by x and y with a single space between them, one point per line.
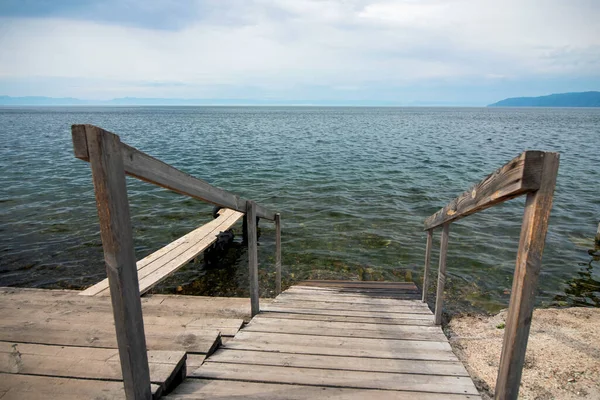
pixel 83 362
pixel 252 257
pixel 332 298
pixel 277 253
pixel 597 238
pixel 528 265
pixel 149 169
pixel 337 378
pixel 325 305
pixel 359 284
pixel 202 389
pixel 439 299
pixel 86 334
pixel 349 330
pixel 347 313
pixel 520 175
pixel 161 264
pixel 31 387
pixel 403 320
pixel 424 367
pixel 108 175
pixel 427 261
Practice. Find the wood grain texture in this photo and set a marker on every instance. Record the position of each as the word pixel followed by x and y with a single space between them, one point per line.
pixel 439 298
pixel 108 175
pixel 427 261
pixel 253 257
pixel 277 253
pixel 403 320
pixel 149 169
pixel 527 270
pixel 520 175
pixel 161 264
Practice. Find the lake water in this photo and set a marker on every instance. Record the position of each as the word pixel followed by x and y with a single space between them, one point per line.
pixel 353 185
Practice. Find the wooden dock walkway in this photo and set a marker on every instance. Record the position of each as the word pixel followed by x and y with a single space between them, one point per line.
pixel 335 339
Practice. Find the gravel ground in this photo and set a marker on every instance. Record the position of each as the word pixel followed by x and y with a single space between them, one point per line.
pixel 563 353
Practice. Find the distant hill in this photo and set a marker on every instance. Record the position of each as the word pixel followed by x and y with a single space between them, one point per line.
pixel 581 99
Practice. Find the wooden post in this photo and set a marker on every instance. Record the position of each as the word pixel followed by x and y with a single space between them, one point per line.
pixel 439 299
pixel 108 174
pixel 597 239
pixel 529 260
pixel 427 259
pixel 277 253
pixel 252 256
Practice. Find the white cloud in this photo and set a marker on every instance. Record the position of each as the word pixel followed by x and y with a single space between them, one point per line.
pixel 277 45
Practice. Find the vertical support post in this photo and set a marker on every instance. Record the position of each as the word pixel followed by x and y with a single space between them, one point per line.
pixel 427 260
pixel 108 175
pixel 527 270
pixel 252 256
pixel 277 253
pixel 439 299
pixel 597 238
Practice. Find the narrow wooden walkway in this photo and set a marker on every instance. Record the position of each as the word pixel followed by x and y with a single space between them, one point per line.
pixel 161 264
pixel 334 340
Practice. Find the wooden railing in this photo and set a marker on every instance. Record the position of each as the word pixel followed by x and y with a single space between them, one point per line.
pixel 110 161
pixel 533 173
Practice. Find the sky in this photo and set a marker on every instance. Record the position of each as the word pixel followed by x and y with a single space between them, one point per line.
pixel 406 52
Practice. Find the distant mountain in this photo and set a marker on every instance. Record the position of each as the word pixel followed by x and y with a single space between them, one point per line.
pixel 581 99
pixel 40 101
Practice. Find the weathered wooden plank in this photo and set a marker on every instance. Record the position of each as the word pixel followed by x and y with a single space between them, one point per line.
pixel 344 330
pixel 342 318
pixel 332 298
pixel 449 368
pixel 427 261
pixel 340 306
pixel 158 337
pixel 520 175
pixel 347 313
pixel 337 378
pixel 31 387
pixel 277 253
pixel 108 175
pixel 439 298
pixel 367 294
pixel 261 320
pixel 200 389
pixel 527 270
pixel 159 265
pixel 359 284
pixel 149 169
pixel 84 362
pixel 253 257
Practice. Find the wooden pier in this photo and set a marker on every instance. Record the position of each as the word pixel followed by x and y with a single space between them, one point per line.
pixel 317 339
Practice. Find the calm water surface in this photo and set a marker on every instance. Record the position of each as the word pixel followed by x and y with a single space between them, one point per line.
pixel 353 186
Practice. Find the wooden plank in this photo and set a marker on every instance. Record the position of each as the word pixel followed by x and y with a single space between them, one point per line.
pixel 520 175
pixel 345 330
pixel 347 313
pixel 84 362
pixel 386 294
pixel 108 175
pixel 330 305
pixel 31 387
pixel 158 337
pixel 252 257
pixel 333 298
pixel 201 389
pixel 342 318
pixel 439 298
pixel 159 265
pixel 359 284
pixel 427 261
pixel 448 368
pixel 277 253
pixel 337 378
pixel 149 169
pixel 527 270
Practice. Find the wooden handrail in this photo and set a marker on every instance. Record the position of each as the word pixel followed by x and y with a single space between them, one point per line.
pixel 111 160
pixel 520 175
pixel 149 169
pixel 532 173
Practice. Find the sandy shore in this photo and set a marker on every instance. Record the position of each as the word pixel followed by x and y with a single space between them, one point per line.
pixel 563 354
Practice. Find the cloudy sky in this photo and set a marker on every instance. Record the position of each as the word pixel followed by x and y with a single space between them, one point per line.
pixel 321 51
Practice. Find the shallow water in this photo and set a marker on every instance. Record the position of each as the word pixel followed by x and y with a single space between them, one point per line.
pixel 353 186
